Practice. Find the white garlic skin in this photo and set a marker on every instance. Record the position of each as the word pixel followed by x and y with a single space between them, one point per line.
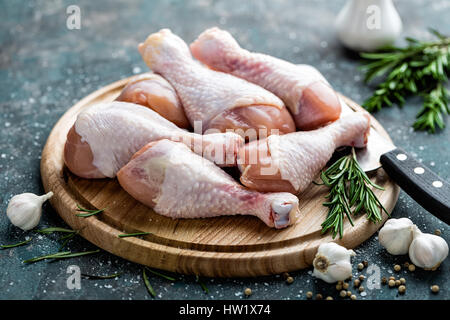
pixel 332 262
pixel 368 25
pixel 427 250
pixel 25 210
pixel 396 235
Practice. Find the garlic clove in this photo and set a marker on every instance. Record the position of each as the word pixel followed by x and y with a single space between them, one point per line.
pixel 396 235
pixel 427 250
pixel 340 271
pixel 25 210
pixel 332 262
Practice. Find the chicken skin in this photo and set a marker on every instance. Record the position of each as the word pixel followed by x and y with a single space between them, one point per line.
pixel 290 163
pixel 178 183
pixel 309 97
pixel 105 137
pixel 211 99
pixel 153 91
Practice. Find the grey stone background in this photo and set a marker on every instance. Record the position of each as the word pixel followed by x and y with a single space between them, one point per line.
pixel 45 68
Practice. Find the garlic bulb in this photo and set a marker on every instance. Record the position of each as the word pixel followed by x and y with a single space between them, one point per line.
pixel 332 262
pixel 24 210
pixel 367 25
pixel 427 250
pixel 396 235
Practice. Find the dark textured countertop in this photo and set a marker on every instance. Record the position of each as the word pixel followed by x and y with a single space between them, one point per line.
pixel 45 68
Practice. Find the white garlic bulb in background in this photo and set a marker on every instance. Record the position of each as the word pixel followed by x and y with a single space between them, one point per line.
pixel 427 250
pixel 368 25
pixel 332 262
pixel 25 210
pixel 396 235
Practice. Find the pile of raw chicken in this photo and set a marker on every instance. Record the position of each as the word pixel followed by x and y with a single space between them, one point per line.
pixel 170 131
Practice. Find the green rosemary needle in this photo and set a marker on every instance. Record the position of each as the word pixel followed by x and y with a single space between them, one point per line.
pixel 48 256
pixel 350 193
pixel 147 284
pixel 88 212
pixel 160 274
pixel 99 277
pixel 204 287
pixel 66 239
pixel 56 229
pixel 7 246
pixel 60 255
pixel 125 235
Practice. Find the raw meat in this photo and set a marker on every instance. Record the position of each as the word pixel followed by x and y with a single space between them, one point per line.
pixel 105 137
pixel 153 91
pixel 212 99
pixel 291 162
pixel 309 97
pixel 178 183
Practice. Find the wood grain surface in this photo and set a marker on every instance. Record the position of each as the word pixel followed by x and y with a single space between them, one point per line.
pixel 230 246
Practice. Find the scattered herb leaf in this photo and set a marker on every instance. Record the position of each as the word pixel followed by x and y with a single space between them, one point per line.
pixel 98 277
pixel 88 212
pixel 69 236
pixel 204 287
pixel 66 239
pixel 7 246
pixel 48 256
pixel 147 284
pixel 55 229
pixel 60 255
pixel 125 235
pixel 160 274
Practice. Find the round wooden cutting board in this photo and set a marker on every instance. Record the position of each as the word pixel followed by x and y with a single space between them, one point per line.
pixel 230 246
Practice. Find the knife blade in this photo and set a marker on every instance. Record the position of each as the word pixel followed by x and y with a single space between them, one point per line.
pixel 420 182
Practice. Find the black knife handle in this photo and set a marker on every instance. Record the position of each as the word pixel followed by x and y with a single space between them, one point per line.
pixel 422 184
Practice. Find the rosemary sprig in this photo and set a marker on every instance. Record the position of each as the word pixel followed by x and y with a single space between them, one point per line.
pixel 204 287
pixel 147 284
pixel 88 212
pixel 421 68
pixel 60 255
pixel 350 193
pixel 99 277
pixel 125 235
pixel 7 246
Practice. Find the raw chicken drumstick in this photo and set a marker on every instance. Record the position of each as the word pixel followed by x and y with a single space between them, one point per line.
pixel 153 91
pixel 303 89
pixel 218 100
pixel 178 183
pixel 291 162
pixel 105 137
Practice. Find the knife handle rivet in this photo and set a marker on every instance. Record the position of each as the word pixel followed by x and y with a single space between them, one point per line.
pixel 419 170
pixel 402 157
pixel 437 184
